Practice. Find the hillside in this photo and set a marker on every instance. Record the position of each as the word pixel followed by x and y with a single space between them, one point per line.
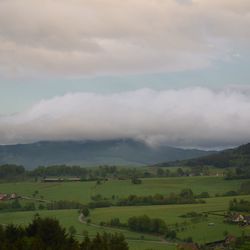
pixel 236 157
pixel 91 153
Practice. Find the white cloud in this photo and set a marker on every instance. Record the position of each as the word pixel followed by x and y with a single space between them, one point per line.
pixel 80 37
pixel 188 117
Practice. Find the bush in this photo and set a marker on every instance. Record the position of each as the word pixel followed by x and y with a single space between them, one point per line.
pixel 170 235
pixel 85 211
pixel 203 195
pixel 100 204
pixel 135 180
pixel 56 205
pixel 145 224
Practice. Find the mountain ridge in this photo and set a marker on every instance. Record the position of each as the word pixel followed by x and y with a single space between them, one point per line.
pixel 90 152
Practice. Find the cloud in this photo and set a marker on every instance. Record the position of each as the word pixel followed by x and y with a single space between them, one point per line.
pixel 83 37
pixel 191 117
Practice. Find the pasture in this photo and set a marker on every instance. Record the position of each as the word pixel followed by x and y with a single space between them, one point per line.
pixel 200 231
pixel 82 191
pixel 69 218
pixel 210 229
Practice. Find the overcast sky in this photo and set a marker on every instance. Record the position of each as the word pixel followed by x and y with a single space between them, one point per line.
pixel 164 71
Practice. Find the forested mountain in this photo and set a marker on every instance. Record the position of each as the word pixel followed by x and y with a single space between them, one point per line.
pixel 237 157
pixel 91 153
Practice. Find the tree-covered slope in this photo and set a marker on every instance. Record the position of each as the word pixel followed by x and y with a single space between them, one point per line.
pixel 236 157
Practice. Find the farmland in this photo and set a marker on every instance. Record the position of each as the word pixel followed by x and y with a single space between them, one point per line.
pixel 169 213
pixel 82 191
pixel 202 231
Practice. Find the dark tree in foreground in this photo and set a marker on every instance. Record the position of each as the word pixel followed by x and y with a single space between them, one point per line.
pixel 47 234
pixel 105 242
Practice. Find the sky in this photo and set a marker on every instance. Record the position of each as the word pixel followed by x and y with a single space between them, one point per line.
pixel 162 71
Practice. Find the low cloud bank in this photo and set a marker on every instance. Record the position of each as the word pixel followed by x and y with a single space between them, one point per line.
pixel 86 37
pixel 192 117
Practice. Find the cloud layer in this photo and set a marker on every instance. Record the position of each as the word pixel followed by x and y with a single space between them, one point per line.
pixel 80 37
pixel 192 117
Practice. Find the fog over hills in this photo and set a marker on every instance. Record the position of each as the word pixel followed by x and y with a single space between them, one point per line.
pixel 91 153
pixel 191 117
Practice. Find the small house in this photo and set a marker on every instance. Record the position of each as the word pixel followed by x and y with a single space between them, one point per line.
pixel 13 196
pixel 230 239
pixel 237 218
pixel 3 197
pixel 247 220
pixel 53 180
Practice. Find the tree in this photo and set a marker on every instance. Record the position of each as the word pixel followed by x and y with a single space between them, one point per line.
pixel 170 235
pixel 145 224
pixel 47 233
pixel 167 172
pixel 16 205
pixel 85 211
pixel 29 206
pixel 136 180
pixel 160 172
pixel 72 230
pixel 180 172
pixel 203 195
pixel 187 193
pixel 245 187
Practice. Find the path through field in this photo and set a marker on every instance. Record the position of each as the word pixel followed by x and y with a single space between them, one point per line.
pixel 82 220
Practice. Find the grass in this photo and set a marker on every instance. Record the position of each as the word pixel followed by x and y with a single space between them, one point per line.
pixel 69 218
pixel 150 246
pixel 200 231
pixel 82 191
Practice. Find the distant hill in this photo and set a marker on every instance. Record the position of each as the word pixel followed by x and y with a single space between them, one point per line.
pixel 92 153
pixel 236 157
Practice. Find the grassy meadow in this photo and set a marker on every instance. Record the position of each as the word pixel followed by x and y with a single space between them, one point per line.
pixel 82 191
pixel 210 229
pixel 200 231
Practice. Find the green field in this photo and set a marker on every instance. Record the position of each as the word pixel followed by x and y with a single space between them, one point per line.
pixel 68 218
pixel 82 191
pixel 200 231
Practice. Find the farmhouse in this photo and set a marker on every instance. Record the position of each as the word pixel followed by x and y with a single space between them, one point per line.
pixel 221 244
pixel 188 246
pixel 237 218
pixel 72 179
pixel 3 197
pixel 230 239
pixel 240 219
pixel 13 196
pixel 53 180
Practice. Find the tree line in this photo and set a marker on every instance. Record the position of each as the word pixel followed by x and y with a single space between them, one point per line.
pixel 239 205
pixel 143 224
pixel 18 173
pixel 186 196
pixel 237 173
